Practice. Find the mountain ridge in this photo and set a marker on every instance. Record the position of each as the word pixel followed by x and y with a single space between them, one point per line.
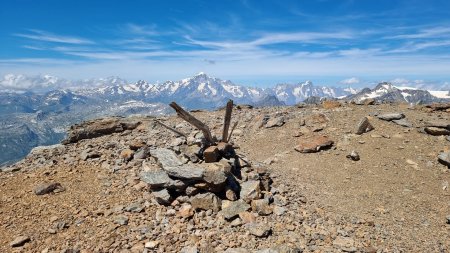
pixel 40 118
pixel 200 86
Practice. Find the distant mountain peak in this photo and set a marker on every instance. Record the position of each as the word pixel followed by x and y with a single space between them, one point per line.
pixel 201 74
pixel 387 92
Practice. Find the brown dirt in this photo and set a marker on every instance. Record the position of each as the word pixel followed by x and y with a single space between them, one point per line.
pixel 398 184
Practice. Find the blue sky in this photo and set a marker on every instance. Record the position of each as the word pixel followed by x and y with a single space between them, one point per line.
pixel 250 42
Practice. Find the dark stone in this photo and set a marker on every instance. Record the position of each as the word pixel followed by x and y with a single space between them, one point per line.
pixel 47 188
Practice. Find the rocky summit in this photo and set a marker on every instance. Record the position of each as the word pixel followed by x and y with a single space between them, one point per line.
pixel 331 177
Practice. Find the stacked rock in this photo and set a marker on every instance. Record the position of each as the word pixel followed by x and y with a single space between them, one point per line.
pixel 220 180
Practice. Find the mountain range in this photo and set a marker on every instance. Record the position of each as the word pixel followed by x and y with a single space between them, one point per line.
pixel 37 110
pixel 386 92
pixel 199 91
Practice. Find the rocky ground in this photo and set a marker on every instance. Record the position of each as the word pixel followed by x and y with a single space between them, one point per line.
pixel 308 180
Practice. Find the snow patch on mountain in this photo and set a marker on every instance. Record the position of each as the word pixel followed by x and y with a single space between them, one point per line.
pixel 441 94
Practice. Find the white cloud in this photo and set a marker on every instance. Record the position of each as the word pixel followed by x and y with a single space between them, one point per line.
pixel 274 38
pixel 434 32
pixel 350 81
pixel 413 47
pixel 421 84
pixel 145 30
pixel 50 37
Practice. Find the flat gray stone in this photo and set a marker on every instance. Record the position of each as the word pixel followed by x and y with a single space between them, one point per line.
pixel 166 157
pixel 186 171
pixel 121 220
pixel 275 122
pixel 162 197
pixel 259 229
pixel 19 241
pixel 403 122
pixel 174 167
pixel 234 208
pixel 436 131
pixel 156 178
pixel 135 207
pixel 444 158
pixel 438 123
pixel 206 201
pixel 391 116
pixel 47 188
pixel 142 153
pixel 250 190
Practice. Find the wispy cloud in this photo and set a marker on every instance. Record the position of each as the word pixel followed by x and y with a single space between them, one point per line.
pixel 420 83
pixel 350 81
pixel 413 47
pixel 50 37
pixel 433 32
pixel 146 30
pixel 34 47
pixel 273 39
pixel 357 52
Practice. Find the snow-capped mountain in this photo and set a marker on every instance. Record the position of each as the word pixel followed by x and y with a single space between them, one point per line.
pixel 386 92
pixel 203 91
pixel 199 91
pixel 295 93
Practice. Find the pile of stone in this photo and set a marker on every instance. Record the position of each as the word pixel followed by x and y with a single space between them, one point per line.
pixel 218 181
pixel 208 175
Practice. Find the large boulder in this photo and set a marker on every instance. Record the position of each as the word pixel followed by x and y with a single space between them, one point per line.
pixel 313 144
pixel 97 128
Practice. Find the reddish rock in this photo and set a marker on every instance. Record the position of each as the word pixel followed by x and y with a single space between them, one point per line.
pixel 439 106
pixel 317 118
pixel 225 149
pixel 135 145
pixel 261 206
pixel 186 211
pixel 211 154
pixel 330 104
pixel 313 144
pixel 127 154
pixel 247 217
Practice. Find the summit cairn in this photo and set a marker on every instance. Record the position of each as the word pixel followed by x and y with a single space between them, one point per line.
pixel 208 174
